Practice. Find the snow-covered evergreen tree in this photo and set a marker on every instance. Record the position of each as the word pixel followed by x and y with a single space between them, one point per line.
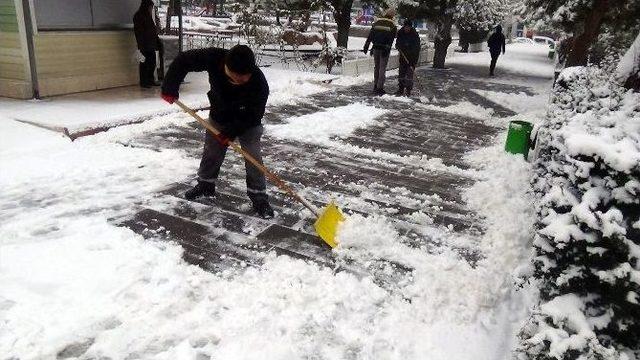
pixel 586 258
pixel 475 18
pixel 479 14
pixel 586 20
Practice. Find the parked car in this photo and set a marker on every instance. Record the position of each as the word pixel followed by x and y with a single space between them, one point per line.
pixel 204 24
pixel 523 40
pixel 544 40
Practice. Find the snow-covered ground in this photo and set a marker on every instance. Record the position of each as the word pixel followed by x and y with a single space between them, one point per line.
pixel 72 281
pixel 519 60
pixel 122 105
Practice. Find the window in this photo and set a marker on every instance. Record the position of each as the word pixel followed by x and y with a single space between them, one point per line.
pixel 84 14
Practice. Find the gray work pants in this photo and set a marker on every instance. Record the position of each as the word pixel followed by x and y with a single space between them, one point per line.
pixel 405 75
pixel 213 156
pixel 380 60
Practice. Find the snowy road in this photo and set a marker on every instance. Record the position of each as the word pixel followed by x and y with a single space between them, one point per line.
pixel 440 219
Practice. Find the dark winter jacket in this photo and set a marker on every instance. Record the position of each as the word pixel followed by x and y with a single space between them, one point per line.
pixel 235 107
pixel 496 41
pixel 381 35
pixel 408 43
pixel 145 29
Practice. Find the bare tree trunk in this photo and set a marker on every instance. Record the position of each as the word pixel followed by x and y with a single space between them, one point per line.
pixel 342 15
pixel 442 41
pixel 578 55
pixel 178 8
pixel 628 71
pixel 464 41
pixel 167 28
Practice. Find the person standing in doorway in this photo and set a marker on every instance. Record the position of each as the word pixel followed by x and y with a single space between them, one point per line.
pixel 148 42
pixel 496 44
pixel 408 45
pixel 381 35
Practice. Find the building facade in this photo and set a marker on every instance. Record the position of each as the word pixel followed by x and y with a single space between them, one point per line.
pixel 52 47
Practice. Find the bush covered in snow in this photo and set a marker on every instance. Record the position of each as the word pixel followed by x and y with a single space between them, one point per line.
pixel 586 258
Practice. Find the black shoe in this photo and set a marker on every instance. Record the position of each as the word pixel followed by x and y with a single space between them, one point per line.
pixel 145 86
pixel 399 92
pixel 263 209
pixel 408 93
pixel 381 92
pixel 201 189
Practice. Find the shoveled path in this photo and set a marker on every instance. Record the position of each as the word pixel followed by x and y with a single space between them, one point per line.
pixel 386 169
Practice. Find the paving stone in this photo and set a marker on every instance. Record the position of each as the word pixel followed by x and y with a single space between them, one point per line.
pixel 198 240
pixel 222 232
pixel 306 245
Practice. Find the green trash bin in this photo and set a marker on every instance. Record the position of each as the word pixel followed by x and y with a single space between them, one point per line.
pixel 518 137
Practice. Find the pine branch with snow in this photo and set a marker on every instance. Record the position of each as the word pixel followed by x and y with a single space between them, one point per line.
pixel 479 15
pixel 587 245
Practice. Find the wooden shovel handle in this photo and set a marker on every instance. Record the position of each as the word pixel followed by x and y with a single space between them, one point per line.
pixel 271 176
pixel 407 60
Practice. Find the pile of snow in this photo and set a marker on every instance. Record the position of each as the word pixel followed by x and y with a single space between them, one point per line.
pixel 320 127
pixel 587 246
pixel 464 108
pixel 517 102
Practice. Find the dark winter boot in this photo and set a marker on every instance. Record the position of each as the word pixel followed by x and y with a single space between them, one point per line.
pixel 263 209
pixel 408 93
pixel 400 91
pixel 203 188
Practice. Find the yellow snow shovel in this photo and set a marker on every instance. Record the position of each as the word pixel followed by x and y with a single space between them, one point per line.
pixel 328 219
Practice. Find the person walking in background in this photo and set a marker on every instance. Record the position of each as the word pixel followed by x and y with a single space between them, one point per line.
pixel 496 44
pixel 381 35
pixel 408 45
pixel 148 42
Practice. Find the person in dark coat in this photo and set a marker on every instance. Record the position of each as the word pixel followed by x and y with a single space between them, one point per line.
pixel 496 43
pixel 148 42
pixel 238 97
pixel 408 45
pixel 381 35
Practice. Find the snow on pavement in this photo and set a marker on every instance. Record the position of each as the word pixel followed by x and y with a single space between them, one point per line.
pixel 121 105
pixel 319 127
pixel 75 283
pixel 133 297
pixel 529 60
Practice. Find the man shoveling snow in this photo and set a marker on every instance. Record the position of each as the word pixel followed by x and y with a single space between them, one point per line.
pixel 238 97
